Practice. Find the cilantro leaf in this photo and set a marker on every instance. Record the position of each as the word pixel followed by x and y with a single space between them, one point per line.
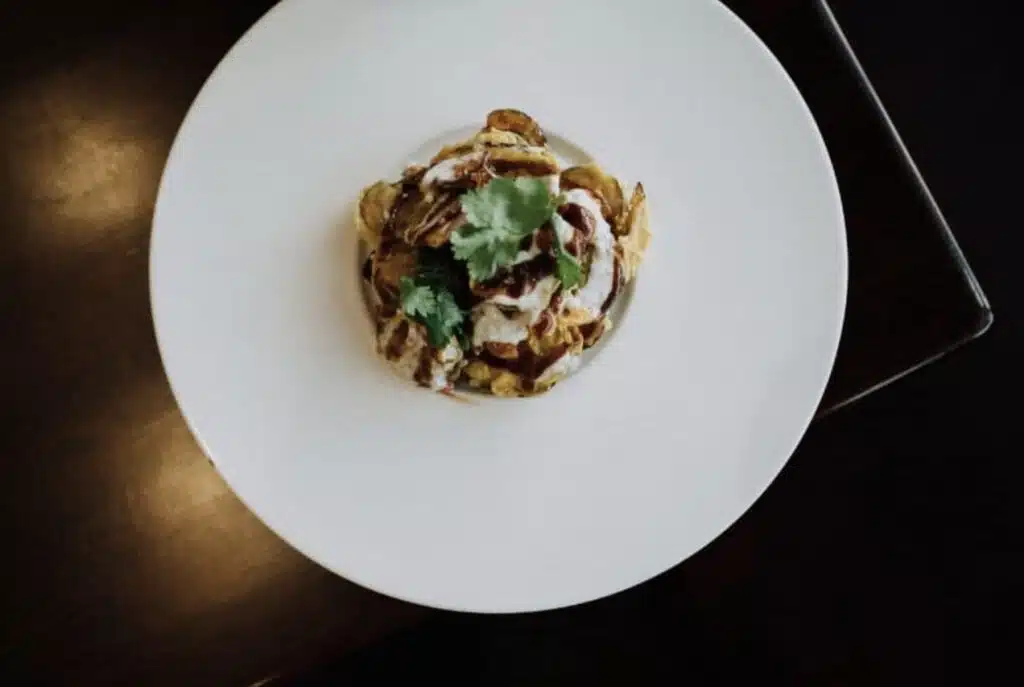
pixel 513 206
pixel 498 217
pixel 417 301
pixel 567 268
pixel 434 307
pixel 445 320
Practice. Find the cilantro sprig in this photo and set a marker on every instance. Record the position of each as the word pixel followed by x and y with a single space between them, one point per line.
pixel 567 268
pixel 498 217
pixel 433 296
pixel 435 308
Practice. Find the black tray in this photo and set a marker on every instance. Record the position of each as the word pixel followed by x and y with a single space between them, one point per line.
pixel 912 296
pixel 131 561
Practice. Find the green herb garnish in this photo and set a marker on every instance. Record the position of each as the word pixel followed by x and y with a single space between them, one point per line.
pixel 498 217
pixel 567 268
pixel 434 307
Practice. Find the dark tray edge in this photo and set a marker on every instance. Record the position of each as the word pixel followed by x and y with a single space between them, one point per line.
pixel 987 316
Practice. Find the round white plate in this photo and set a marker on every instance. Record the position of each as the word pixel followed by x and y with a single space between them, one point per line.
pixel 668 436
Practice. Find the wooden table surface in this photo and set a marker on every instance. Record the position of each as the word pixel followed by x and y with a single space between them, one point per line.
pixel 128 559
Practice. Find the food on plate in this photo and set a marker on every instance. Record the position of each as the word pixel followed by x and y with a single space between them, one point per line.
pixel 494 266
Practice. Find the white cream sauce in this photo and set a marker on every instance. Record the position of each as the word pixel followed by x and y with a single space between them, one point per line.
pixel 563 367
pixel 409 362
pixel 444 171
pixel 601 278
pixel 491 324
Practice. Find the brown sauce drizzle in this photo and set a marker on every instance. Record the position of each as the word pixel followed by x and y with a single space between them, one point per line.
pixel 503 350
pixel 522 168
pixel 528 365
pixel 616 284
pixel 580 218
pixel 396 342
pixel 468 174
pixel 518 280
pixel 544 324
pixel 590 328
pixel 546 237
pixel 405 212
pixel 441 214
pixel 423 375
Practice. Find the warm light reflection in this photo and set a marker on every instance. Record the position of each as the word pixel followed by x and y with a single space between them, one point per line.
pixel 203 545
pixel 87 161
pixel 96 174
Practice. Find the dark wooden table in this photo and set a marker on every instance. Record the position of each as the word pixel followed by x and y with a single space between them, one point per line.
pixel 128 561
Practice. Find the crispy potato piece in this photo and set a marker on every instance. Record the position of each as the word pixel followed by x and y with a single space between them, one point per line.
pixel 605 187
pixel 390 266
pixel 522 162
pixel 635 234
pixel 433 223
pixel 505 351
pixel 593 331
pixel 374 208
pixel 478 373
pixel 518 123
pixel 577 317
pixel 412 174
pixel 499 139
pixel 453 150
pixel 482 139
pixel 560 334
pixel 506 384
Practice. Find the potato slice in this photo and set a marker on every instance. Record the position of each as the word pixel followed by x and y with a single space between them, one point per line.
pixel 506 384
pixel 578 317
pixel 504 351
pixel 635 233
pixel 593 331
pixel 605 187
pixel 374 208
pixel 518 123
pixel 482 139
pixel 522 162
pixel 433 224
pixel 450 151
pixel 390 266
pixel 499 139
pixel 478 373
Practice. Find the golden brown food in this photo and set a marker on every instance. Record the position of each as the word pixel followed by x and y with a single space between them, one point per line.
pixel 518 123
pixel 495 267
pixel 606 188
pixel 636 234
pixel 375 203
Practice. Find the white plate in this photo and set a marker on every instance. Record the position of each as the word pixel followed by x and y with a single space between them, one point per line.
pixel 621 472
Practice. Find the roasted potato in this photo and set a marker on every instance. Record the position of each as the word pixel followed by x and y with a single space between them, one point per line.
pixel 374 209
pixel 506 384
pixel 499 139
pixel 391 265
pixel 434 220
pixel 518 123
pixel 521 162
pixel 606 188
pixel 635 234
pixel 505 351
